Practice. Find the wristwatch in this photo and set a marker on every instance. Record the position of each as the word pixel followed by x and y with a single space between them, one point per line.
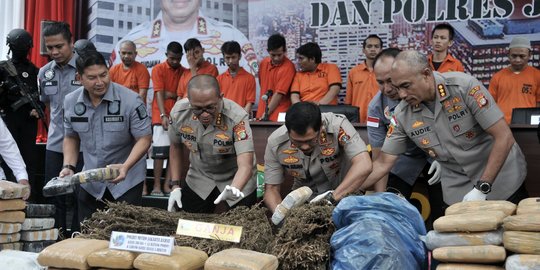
pixel 483 186
pixel 330 198
pixel 175 183
pixel 69 166
pixel 161 115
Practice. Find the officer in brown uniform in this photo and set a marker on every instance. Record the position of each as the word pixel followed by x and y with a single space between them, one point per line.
pixel 216 132
pixel 311 148
pixel 454 119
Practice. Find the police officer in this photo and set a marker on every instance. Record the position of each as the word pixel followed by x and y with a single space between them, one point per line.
pixel 83 46
pixel 17 112
pixel 109 123
pixel 56 80
pixel 311 148
pixel 217 134
pixel 454 119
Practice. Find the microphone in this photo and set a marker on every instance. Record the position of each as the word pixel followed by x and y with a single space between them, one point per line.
pixel 265 98
pixel 268 94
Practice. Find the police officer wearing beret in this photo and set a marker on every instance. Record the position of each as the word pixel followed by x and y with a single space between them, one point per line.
pixel 110 124
pixel 217 134
pixel 454 119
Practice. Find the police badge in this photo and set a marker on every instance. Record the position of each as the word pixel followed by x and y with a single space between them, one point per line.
pixel 49 74
pixel 113 107
pixel 80 108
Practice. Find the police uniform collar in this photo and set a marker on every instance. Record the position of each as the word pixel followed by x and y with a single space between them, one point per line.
pixel 111 94
pixel 71 62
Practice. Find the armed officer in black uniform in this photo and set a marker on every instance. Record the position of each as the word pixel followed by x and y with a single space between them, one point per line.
pixel 16 107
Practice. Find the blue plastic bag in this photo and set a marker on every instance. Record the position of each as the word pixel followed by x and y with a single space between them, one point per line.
pixel 379 231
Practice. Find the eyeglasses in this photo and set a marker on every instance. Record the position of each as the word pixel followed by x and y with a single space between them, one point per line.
pixel 198 110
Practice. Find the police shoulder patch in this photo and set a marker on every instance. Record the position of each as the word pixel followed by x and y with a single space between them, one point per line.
pixel 141 111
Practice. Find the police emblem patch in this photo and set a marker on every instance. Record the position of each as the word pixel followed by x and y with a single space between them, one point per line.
pixel 240 131
pixel 79 108
pixel 425 141
pixel 49 74
pixel 417 124
pixel 343 137
pixel 141 111
pixel 25 74
pixel 328 151
pixel 290 159
pixel 113 107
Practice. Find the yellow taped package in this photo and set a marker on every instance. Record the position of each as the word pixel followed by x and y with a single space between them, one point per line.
pixel 470 222
pixel 70 253
pixel 50 234
pixel 522 261
pixel 11 246
pixel 12 216
pixel 243 259
pixel 13 204
pixel 10 238
pixel 529 206
pixel 6 228
pixel 527 222
pixel 112 258
pixel 182 258
pixel 522 242
pixel 10 190
pixel 35 224
pixel 481 206
pixel 470 254
pixel 464 266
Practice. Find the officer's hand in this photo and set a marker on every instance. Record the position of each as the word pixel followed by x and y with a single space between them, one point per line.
pixel 123 172
pixel 321 196
pixel 229 193
pixel 65 172
pixel 165 122
pixel 26 183
pixel 474 195
pixel 34 113
pixel 175 197
pixel 435 168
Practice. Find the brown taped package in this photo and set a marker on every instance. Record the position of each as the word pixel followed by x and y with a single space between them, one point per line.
pixel 480 206
pixel 522 242
pixel 6 228
pixel 12 216
pixel 529 206
pixel 470 222
pixel 241 259
pixel 50 234
pixel 13 204
pixel 522 261
pixel 12 246
pixel 34 224
pixel 463 266
pixel 470 254
pixel 528 222
pixel 9 238
pixel 10 190
pixel 182 258
pixel 70 253
pixel 112 258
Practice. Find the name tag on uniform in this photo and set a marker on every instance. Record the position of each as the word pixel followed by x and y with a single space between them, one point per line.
pixel 109 119
pixel 74 82
pixel 75 119
pixel 51 83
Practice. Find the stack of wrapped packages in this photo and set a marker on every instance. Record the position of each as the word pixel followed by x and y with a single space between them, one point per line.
pixel 11 214
pixel 470 235
pixel 522 236
pixel 37 230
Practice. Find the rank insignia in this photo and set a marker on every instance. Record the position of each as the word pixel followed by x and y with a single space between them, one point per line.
pixel 456 128
pixel 431 152
pixel 390 130
pixel 186 129
pixel 156 29
pixel 289 151
pixel 219 120
pixel 291 159
pixel 417 124
pixel 49 74
pixel 456 99
pixel 425 141
pixel 223 127
pixel 473 91
pixel 80 108
pixel 113 107
pixel 328 151
pixel 442 90
pixel 343 137
pixel 470 134
pixel 222 136
pixel 201 26
pixel 447 104
pixel 323 138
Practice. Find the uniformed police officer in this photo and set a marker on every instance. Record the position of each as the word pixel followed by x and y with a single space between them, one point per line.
pixel 311 148
pixel 217 134
pixel 56 80
pixel 17 112
pixel 109 123
pixel 453 118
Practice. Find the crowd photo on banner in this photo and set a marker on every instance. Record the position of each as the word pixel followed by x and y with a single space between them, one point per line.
pixel 270 134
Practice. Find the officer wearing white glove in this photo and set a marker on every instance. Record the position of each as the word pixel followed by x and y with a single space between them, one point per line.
pixel 436 169
pixel 328 196
pixel 229 193
pixel 479 192
pixel 175 197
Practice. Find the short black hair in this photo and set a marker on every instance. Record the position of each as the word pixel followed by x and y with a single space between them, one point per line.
pixel 392 52
pixel 90 58
pixel 191 44
pixel 174 47
pixel 231 47
pixel 276 41
pixel 444 26
pixel 310 50
pixel 303 115
pixel 53 28
pixel 372 36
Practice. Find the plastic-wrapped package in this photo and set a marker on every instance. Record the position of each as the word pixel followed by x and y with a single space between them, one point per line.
pixel 12 216
pixel 526 222
pixel 522 262
pixel 10 238
pixel 10 190
pixel 470 254
pixel 8 228
pixel 60 186
pixel 470 222
pixel 34 224
pixel 436 239
pixel 244 259
pixel 529 206
pixel 464 266
pixel 481 206
pixel 70 253
pixel 50 234
pixel 11 246
pixel 112 258
pixel 37 246
pixel 182 258
pixel 13 204
pixel 379 231
pixel 522 242
pixel 40 210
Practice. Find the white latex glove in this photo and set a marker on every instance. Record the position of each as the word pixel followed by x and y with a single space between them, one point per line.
pixel 175 197
pixel 435 168
pixel 320 197
pixel 229 193
pixel 474 195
